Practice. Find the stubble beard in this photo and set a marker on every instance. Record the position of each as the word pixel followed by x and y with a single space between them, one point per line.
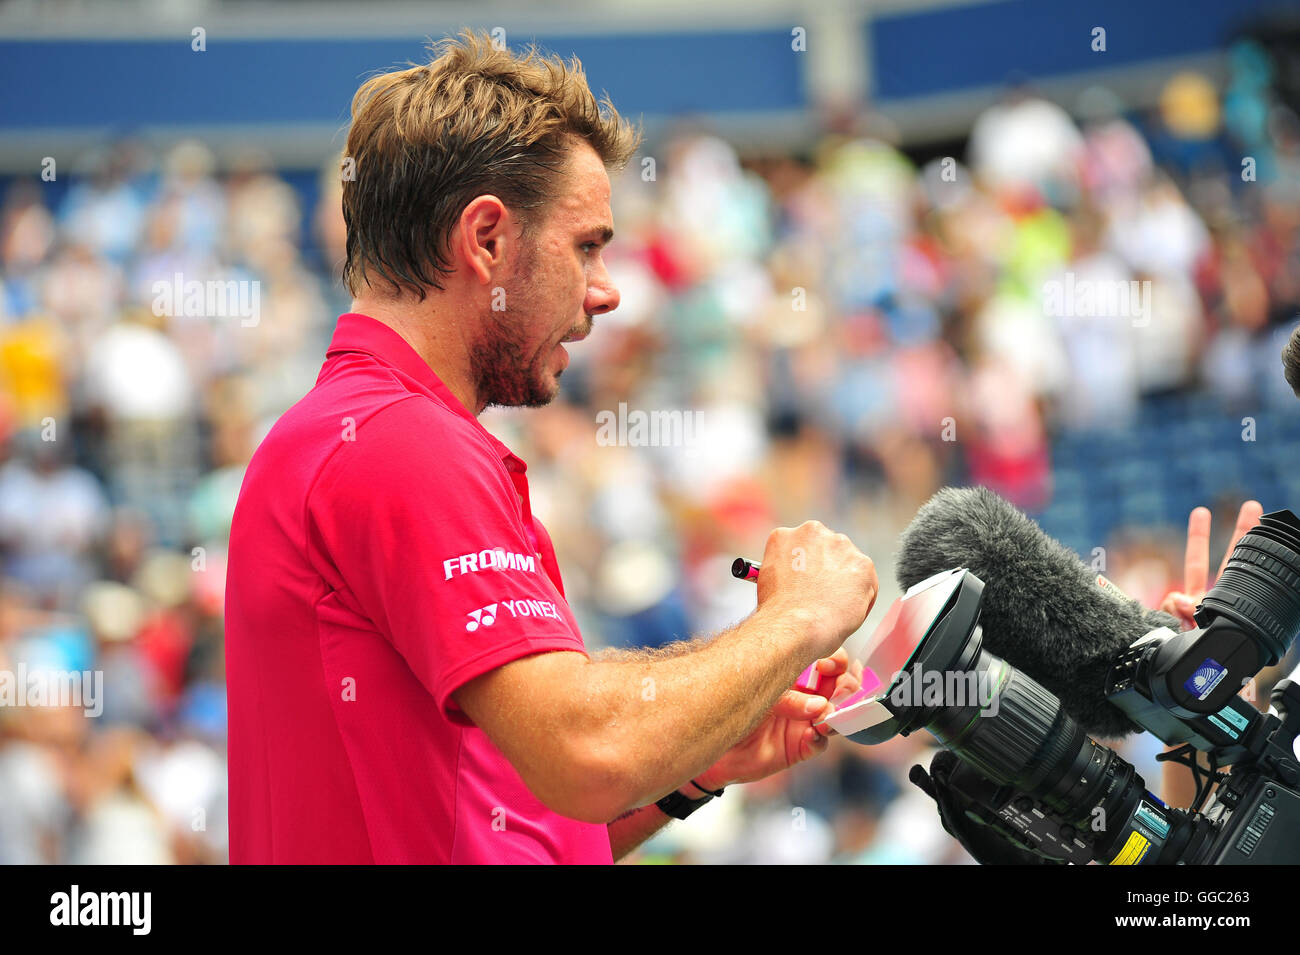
pixel 505 376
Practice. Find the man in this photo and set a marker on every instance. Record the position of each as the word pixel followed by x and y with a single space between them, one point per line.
pixel 406 682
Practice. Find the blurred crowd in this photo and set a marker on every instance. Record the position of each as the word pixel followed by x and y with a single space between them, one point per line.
pixel 842 330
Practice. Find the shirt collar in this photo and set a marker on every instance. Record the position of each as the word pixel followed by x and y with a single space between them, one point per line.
pixel 361 333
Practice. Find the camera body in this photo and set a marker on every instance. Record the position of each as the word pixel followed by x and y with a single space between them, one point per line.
pixel 1024 770
pixel 1253 818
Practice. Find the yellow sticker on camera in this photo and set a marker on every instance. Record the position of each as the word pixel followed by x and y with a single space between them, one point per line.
pixel 1134 849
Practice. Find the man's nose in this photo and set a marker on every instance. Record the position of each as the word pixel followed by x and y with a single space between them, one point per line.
pixel 602 295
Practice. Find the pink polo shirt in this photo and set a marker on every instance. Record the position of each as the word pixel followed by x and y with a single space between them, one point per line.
pixel 384 553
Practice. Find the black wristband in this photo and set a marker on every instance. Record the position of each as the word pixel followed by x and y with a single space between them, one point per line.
pixel 709 791
pixel 679 807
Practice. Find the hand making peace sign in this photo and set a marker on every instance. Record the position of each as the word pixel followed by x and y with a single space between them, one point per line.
pixel 1196 564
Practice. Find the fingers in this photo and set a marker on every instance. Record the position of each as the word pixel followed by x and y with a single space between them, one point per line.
pixel 835 664
pixel 831 673
pixel 805 709
pixel 1247 518
pixel 823 730
pixel 1196 564
pixel 812 743
pixel 846 684
pixel 836 689
pixel 1196 561
pixel 796 705
pixel 1182 606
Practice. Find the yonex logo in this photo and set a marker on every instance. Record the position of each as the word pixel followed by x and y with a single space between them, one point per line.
pixel 532 608
pixel 484 616
pixel 522 607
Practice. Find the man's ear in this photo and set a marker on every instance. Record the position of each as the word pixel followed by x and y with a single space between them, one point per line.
pixel 482 237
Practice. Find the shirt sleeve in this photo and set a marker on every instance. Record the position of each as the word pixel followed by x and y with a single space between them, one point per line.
pixel 415 521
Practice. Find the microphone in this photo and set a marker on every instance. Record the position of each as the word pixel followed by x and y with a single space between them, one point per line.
pixel 1044 611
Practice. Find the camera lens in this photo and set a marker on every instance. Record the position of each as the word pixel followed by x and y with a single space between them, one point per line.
pixel 1016 733
pixel 1259 589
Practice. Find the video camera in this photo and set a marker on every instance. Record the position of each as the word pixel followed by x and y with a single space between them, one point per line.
pixel 1021 781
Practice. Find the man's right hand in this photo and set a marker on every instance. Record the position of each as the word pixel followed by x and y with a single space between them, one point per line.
pixel 821 578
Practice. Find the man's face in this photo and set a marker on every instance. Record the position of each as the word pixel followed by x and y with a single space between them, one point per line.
pixel 557 285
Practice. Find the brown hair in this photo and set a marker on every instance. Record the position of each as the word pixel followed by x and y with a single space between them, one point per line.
pixel 476 120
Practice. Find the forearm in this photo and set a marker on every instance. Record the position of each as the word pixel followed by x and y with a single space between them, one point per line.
pixel 633 828
pixel 667 716
pixel 594 738
pixel 637 825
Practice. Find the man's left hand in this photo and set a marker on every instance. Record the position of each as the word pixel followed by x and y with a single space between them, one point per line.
pixel 787 734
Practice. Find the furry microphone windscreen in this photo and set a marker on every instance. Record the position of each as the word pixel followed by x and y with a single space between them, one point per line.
pixel 1044 611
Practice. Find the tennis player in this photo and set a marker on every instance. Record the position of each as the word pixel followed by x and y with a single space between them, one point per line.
pixel 406 680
